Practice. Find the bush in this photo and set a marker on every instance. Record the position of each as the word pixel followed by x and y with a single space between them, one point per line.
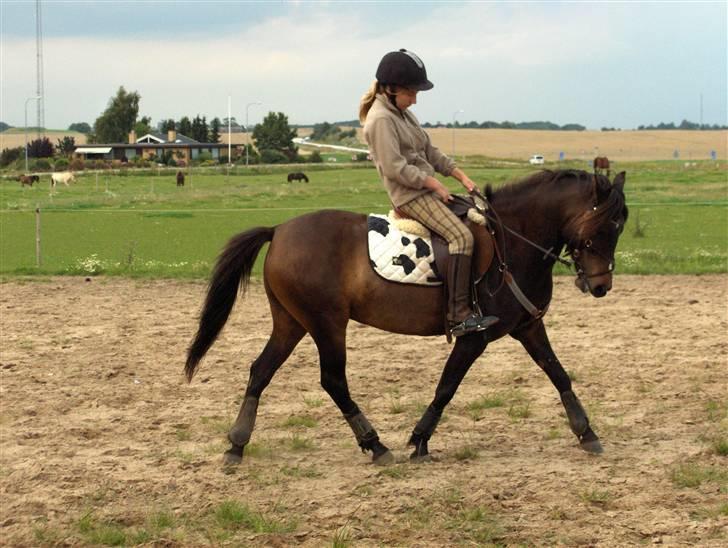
pixel 273 157
pixel 60 164
pixel 76 164
pixel 204 157
pixel 41 163
pixel 9 155
pixel 315 157
pixel 362 156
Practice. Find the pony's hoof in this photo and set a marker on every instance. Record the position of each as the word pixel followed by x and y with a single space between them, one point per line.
pixel 593 446
pixel 384 459
pixel 231 459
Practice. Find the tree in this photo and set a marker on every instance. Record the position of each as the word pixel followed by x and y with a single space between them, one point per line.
pixel 184 126
pixel 275 134
pixel 40 148
pixel 114 125
pixel 165 125
pixel 215 130
pixel 234 126
pixel 198 129
pixel 66 146
pixel 143 126
pixel 81 127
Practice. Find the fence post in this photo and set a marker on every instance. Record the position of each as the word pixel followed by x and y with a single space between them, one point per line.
pixel 97 181
pixel 37 237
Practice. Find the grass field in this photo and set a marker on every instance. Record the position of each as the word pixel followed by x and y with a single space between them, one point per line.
pixel 141 224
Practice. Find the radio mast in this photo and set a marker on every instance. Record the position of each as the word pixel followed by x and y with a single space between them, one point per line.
pixel 39 69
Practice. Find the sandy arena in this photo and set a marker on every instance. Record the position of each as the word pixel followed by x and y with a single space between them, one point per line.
pixel 98 425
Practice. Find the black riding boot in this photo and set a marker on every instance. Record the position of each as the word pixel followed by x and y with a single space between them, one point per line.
pixel 460 316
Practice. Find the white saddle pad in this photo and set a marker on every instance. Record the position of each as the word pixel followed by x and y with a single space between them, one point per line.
pixel 398 256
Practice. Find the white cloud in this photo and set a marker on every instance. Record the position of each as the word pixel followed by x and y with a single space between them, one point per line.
pixel 497 61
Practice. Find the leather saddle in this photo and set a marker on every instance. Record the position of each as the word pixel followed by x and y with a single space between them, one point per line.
pixel 483 249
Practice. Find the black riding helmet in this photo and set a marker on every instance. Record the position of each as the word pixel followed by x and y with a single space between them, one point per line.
pixel 403 68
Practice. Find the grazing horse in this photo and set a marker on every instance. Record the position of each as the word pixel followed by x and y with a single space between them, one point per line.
pixel 297 176
pixel 317 277
pixel 64 177
pixel 180 179
pixel 601 165
pixel 28 180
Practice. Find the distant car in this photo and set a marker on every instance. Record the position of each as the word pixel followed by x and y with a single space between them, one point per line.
pixel 536 159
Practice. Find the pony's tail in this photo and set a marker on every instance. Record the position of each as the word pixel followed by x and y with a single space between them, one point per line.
pixel 231 273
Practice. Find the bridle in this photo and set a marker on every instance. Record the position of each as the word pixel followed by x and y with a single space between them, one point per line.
pixel 575 252
pixel 587 246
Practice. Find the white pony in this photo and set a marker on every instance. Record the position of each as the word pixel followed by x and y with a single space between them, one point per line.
pixel 63 177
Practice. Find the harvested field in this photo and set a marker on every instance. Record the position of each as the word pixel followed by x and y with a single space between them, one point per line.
pixel 621 146
pixel 103 441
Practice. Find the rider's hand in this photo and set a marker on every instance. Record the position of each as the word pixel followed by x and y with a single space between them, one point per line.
pixel 438 188
pixel 468 184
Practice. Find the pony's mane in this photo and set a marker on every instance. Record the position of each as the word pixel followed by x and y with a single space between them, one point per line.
pixel 581 226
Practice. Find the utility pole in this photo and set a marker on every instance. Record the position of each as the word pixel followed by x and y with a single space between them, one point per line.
pixel 40 110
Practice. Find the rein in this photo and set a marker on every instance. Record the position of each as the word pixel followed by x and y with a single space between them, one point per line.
pixel 490 213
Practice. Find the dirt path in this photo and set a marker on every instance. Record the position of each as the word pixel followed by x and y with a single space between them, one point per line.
pixel 103 441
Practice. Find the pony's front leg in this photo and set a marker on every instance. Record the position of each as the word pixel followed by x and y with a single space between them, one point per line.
pixel 534 339
pixel 466 351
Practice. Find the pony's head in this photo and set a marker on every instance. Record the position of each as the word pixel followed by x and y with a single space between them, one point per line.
pixel 593 231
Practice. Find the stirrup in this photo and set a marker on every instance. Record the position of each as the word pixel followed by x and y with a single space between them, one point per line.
pixel 472 324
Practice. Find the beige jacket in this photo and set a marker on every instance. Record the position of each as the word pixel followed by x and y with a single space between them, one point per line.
pixel 402 151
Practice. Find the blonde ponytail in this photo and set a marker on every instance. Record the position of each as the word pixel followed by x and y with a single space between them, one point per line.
pixel 367 101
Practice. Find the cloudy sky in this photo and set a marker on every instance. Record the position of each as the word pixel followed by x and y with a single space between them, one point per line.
pixel 600 64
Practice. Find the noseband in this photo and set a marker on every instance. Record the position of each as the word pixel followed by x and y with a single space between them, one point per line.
pixel 577 252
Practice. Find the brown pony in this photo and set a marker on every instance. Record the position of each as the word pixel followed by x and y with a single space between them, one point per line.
pixel 28 180
pixel 601 165
pixel 317 277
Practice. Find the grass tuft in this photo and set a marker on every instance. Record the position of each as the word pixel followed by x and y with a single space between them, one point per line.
pixel 720 446
pixel 303 421
pixel 342 538
pixel 694 475
pixel 231 515
pixel 298 443
pixel 466 453
pixel 597 497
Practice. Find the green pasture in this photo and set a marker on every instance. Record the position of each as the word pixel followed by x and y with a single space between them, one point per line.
pixel 142 224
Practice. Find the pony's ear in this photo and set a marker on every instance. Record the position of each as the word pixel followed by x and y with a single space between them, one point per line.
pixel 619 180
pixel 488 192
pixel 600 189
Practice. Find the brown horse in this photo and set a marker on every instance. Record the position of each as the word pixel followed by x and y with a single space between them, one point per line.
pixel 317 276
pixel 601 165
pixel 28 180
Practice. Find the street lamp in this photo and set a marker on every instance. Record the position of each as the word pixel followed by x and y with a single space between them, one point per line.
pixel 455 114
pixel 37 97
pixel 247 133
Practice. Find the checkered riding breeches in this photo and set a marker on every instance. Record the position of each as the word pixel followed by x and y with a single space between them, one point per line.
pixel 430 210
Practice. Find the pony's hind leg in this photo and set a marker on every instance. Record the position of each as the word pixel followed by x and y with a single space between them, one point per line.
pixel 331 344
pixel 287 333
pixel 466 351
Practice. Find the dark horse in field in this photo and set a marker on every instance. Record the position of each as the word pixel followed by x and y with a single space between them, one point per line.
pixel 601 165
pixel 297 176
pixel 317 277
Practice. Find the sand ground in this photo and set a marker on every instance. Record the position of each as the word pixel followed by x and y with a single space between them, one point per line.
pixel 98 423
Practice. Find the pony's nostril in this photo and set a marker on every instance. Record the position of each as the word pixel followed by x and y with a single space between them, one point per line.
pixel 599 291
